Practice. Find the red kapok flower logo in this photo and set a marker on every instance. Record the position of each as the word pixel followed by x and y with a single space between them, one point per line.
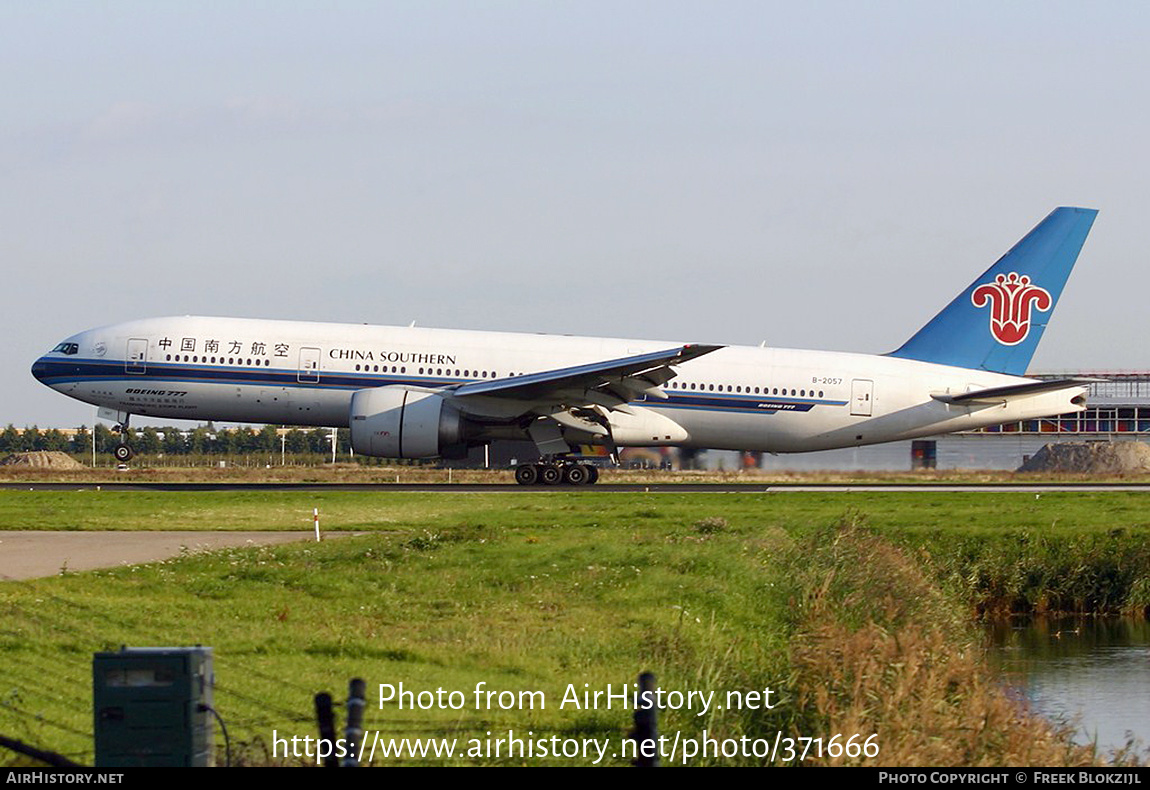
pixel 1011 297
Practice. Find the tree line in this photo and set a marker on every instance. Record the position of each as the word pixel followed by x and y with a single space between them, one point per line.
pixel 203 440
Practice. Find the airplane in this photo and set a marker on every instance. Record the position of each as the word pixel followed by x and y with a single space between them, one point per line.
pixel 408 392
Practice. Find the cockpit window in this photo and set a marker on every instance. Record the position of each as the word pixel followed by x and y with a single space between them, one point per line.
pixel 67 348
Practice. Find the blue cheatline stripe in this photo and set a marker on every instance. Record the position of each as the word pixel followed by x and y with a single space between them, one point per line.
pixel 76 371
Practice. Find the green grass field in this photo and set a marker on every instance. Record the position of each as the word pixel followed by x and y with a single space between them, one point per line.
pixel 919 513
pixel 536 591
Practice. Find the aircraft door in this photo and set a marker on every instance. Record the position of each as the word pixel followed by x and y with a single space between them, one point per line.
pixel 308 365
pixel 136 361
pixel 862 392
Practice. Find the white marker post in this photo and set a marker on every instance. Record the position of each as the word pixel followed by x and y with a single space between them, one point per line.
pixel 315 518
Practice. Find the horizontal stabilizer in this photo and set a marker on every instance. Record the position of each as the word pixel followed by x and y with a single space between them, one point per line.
pixel 1012 391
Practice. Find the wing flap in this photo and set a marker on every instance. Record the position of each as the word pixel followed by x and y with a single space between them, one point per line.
pixel 576 422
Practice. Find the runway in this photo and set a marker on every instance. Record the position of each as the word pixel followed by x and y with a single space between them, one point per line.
pixel 604 488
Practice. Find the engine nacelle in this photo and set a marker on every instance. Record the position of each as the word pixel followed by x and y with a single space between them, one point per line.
pixel 405 422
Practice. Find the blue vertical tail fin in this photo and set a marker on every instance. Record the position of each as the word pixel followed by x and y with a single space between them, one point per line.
pixel 996 323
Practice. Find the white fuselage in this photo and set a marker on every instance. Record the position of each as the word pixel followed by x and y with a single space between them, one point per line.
pixel 304 373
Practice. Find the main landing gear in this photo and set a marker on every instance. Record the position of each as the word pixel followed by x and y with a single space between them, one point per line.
pixel 553 473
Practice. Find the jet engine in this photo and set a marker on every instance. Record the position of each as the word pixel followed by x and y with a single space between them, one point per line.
pixel 406 422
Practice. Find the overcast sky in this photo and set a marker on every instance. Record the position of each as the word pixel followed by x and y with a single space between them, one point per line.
pixel 816 175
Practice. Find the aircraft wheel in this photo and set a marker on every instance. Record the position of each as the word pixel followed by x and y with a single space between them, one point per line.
pixel 527 474
pixel 592 474
pixel 550 474
pixel 576 475
pixel 123 453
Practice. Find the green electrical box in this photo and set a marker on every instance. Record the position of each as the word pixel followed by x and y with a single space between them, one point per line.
pixel 153 707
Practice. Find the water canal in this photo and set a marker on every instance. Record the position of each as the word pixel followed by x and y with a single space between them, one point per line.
pixel 1090 673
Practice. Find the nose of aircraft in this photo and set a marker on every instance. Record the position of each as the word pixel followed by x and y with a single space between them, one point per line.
pixel 40 369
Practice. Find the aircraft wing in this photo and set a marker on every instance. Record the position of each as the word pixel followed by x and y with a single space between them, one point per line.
pixel 611 383
pixel 1012 391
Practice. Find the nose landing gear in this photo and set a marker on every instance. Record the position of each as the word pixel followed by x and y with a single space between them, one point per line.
pixel 123 452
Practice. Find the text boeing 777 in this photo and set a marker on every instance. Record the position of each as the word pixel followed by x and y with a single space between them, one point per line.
pixel 410 392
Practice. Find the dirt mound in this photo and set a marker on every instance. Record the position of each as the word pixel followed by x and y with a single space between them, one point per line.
pixel 1124 457
pixel 43 459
